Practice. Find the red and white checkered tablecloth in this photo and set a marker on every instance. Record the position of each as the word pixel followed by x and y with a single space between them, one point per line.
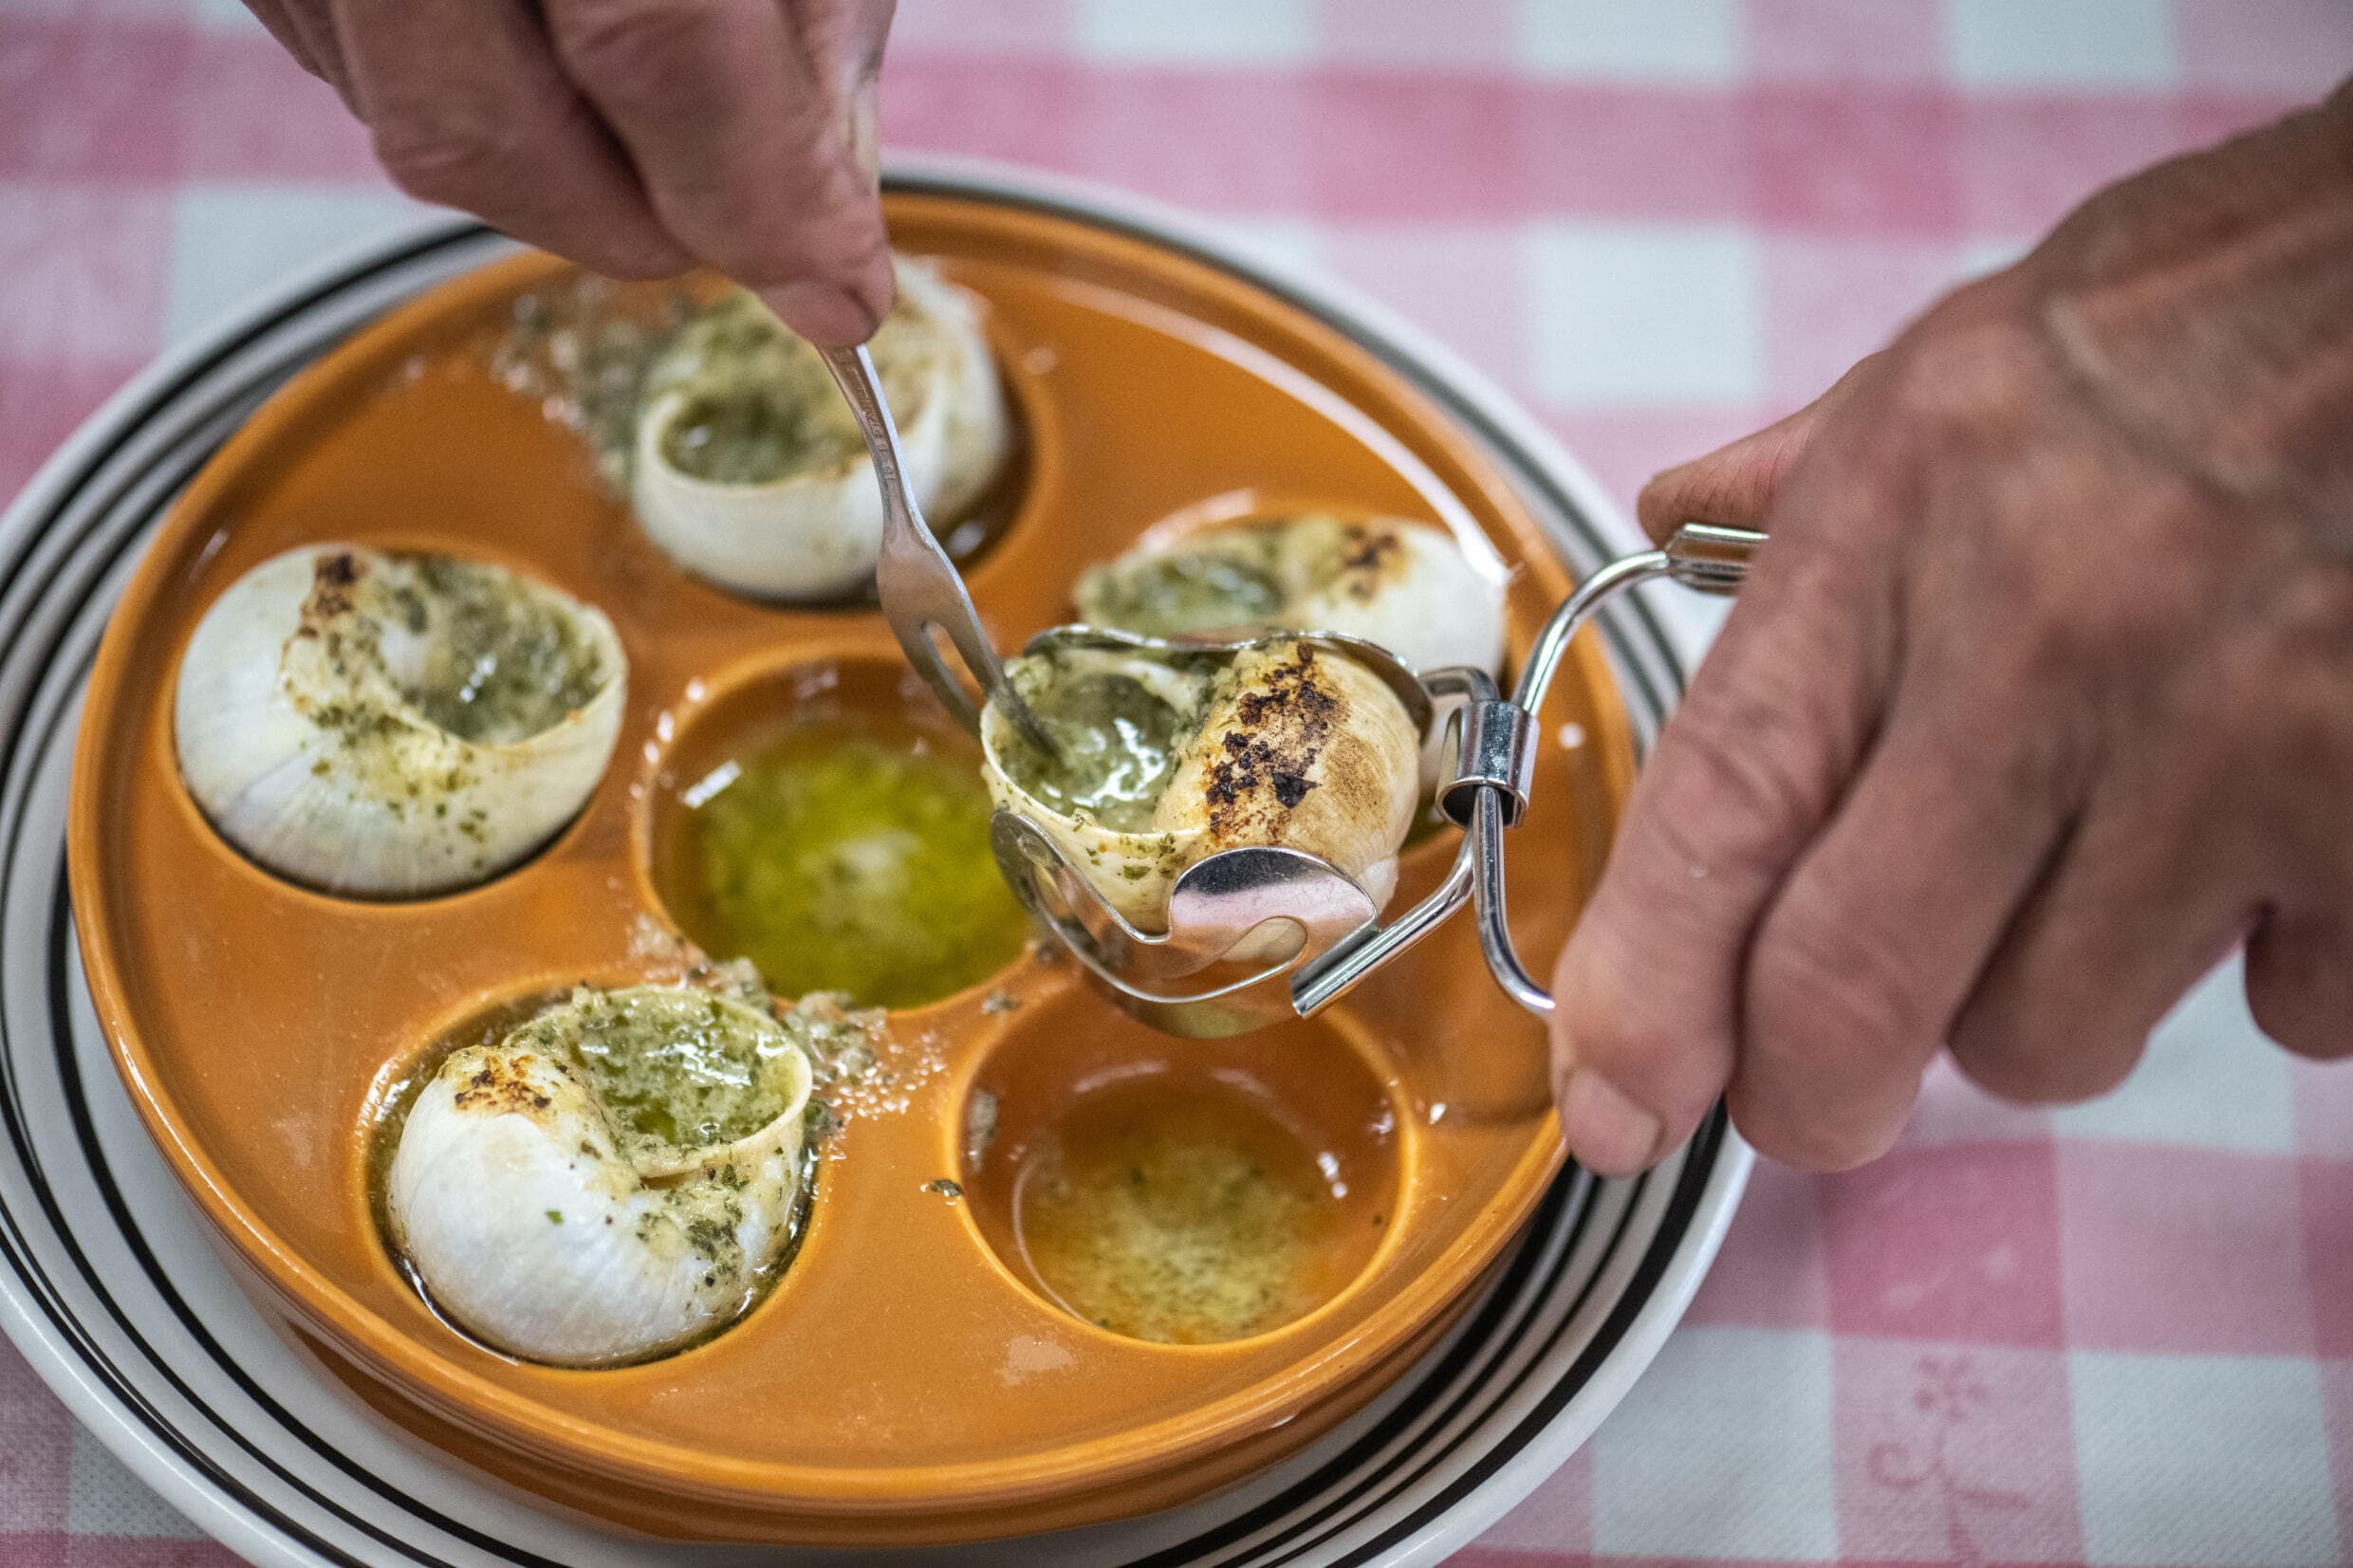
pixel 2120 1332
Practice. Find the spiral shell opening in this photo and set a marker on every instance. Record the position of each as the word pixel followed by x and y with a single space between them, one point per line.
pixel 395 726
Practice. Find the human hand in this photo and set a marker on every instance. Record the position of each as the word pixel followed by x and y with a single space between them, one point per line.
pixel 2039 699
pixel 636 137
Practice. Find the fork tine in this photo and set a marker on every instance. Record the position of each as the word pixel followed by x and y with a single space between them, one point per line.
pixel 982 660
pixel 924 656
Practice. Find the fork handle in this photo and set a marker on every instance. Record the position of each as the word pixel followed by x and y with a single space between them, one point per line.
pixel 862 387
pixel 919 585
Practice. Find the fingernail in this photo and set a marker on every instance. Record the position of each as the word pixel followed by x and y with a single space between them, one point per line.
pixel 866 132
pixel 1606 1132
pixel 826 316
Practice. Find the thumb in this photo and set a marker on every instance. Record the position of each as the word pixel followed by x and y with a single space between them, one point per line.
pixel 840 44
pixel 1735 485
pixel 1646 1030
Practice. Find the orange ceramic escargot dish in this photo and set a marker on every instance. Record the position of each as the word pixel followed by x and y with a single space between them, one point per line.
pixel 555 940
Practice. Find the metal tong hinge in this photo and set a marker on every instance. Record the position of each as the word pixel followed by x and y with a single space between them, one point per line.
pixel 1495 752
pixel 1488 787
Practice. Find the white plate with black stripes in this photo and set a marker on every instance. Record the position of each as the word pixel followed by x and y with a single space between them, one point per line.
pixel 110 1283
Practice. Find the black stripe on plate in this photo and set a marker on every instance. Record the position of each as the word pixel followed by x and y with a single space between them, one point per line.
pixel 86 1131
pixel 22 1259
pixel 59 990
pixel 1706 1145
pixel 1408 1468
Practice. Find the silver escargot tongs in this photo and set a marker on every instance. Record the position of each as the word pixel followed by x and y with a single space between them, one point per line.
pixel 1491 764
pixel 1225 908
pixel 919 585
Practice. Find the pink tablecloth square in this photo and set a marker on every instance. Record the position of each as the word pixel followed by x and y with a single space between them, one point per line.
pixel 1418 268
pixel 1001 26
pixel 2323 1114
pixel 2019 163
pixel 1854 157
pixel 1890 41
pixel 2236 46
pixel 1957 1242
pixel 2325 1206
pixel 92 98
pixel 83 286
pixel 2217 1268
pixel 245 117
pixel 1774 1269
pixel 1383 147
pixel 1417 36
pixel 41 402
pixel 1604 151
pixel 1831 298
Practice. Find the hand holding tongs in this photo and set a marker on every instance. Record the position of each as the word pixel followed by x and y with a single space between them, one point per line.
pixel 1219 904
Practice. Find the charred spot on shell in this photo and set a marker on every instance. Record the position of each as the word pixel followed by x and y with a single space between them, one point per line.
pixel 497 1086
pixel 1283 732
pixel 1367 553
pixel 332 577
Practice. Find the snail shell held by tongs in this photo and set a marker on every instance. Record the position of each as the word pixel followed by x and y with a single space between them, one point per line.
pixel 1235 936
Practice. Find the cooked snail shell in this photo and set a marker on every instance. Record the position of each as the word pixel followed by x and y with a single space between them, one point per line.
pixel 1169 758
pixel 394 726
pixel 1408 586
pixel 750 469
pixel 612 1179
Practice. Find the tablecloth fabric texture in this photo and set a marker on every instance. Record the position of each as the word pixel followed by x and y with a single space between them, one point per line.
pixel 2115 1334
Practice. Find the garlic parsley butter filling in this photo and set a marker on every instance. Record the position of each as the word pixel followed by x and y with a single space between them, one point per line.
pixel 614 1179
pixel 750 469
pixel 1405 585
pixel 394 726
pixel 1167 757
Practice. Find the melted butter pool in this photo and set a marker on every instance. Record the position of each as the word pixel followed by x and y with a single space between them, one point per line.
pixel 1183 1214
pixel 838 856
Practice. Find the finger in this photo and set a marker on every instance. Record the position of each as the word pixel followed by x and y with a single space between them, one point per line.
pixel 1735 485
pixel 1646 1029
pixel 744 143
pixel 846 39
pixel 305 28
pixel 1882 929
pixel 278 21
pixel 2300 980
pixel 2158 878
pixel 2064 1007
pixel 468 107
